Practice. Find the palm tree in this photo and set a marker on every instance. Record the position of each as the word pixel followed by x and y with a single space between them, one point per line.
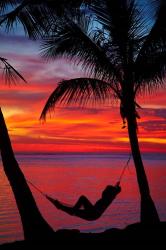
pixel 123 54
pixel 34 225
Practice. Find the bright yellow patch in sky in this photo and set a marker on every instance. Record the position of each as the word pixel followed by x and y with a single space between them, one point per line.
pixel 150 140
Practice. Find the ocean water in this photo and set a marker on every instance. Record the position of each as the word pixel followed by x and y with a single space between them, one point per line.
pixel 66 177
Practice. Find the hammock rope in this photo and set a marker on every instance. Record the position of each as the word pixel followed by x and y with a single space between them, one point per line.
pixel 124 169
pixel 35 187
pixel 118 182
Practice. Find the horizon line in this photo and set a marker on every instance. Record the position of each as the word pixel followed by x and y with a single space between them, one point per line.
pixel 84 153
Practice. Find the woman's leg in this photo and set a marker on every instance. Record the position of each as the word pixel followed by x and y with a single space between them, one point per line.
pixel 88 213
pixel 83 202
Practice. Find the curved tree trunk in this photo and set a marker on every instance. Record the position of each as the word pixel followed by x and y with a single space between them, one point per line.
pixel 34 225
pixel 149 213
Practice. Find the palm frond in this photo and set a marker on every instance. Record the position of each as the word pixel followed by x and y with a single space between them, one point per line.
pixel 59 7
pixel 74 40
pixel 32 17
pixel 150 74
pixel 4 4
pixel 150 65
pixel 156 39
pixel 11 75
pixel 36 15
pixel 79 90
pixel 125 25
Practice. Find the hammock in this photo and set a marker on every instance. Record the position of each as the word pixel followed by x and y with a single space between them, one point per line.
pixel 89 212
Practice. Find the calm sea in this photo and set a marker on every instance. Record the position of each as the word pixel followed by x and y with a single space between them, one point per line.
pixel 66 177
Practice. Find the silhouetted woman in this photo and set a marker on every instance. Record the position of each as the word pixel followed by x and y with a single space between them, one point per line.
pixel 85 209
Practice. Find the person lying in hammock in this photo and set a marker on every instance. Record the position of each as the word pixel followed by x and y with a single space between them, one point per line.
pixel 84 208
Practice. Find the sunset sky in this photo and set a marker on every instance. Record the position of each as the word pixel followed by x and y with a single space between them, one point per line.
pixel 70 129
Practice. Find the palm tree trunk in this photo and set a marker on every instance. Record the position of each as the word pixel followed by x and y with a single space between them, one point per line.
pixel 34 225
pixel 149 213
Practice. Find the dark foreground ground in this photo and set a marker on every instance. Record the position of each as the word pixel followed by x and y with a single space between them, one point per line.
pixel 134 235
